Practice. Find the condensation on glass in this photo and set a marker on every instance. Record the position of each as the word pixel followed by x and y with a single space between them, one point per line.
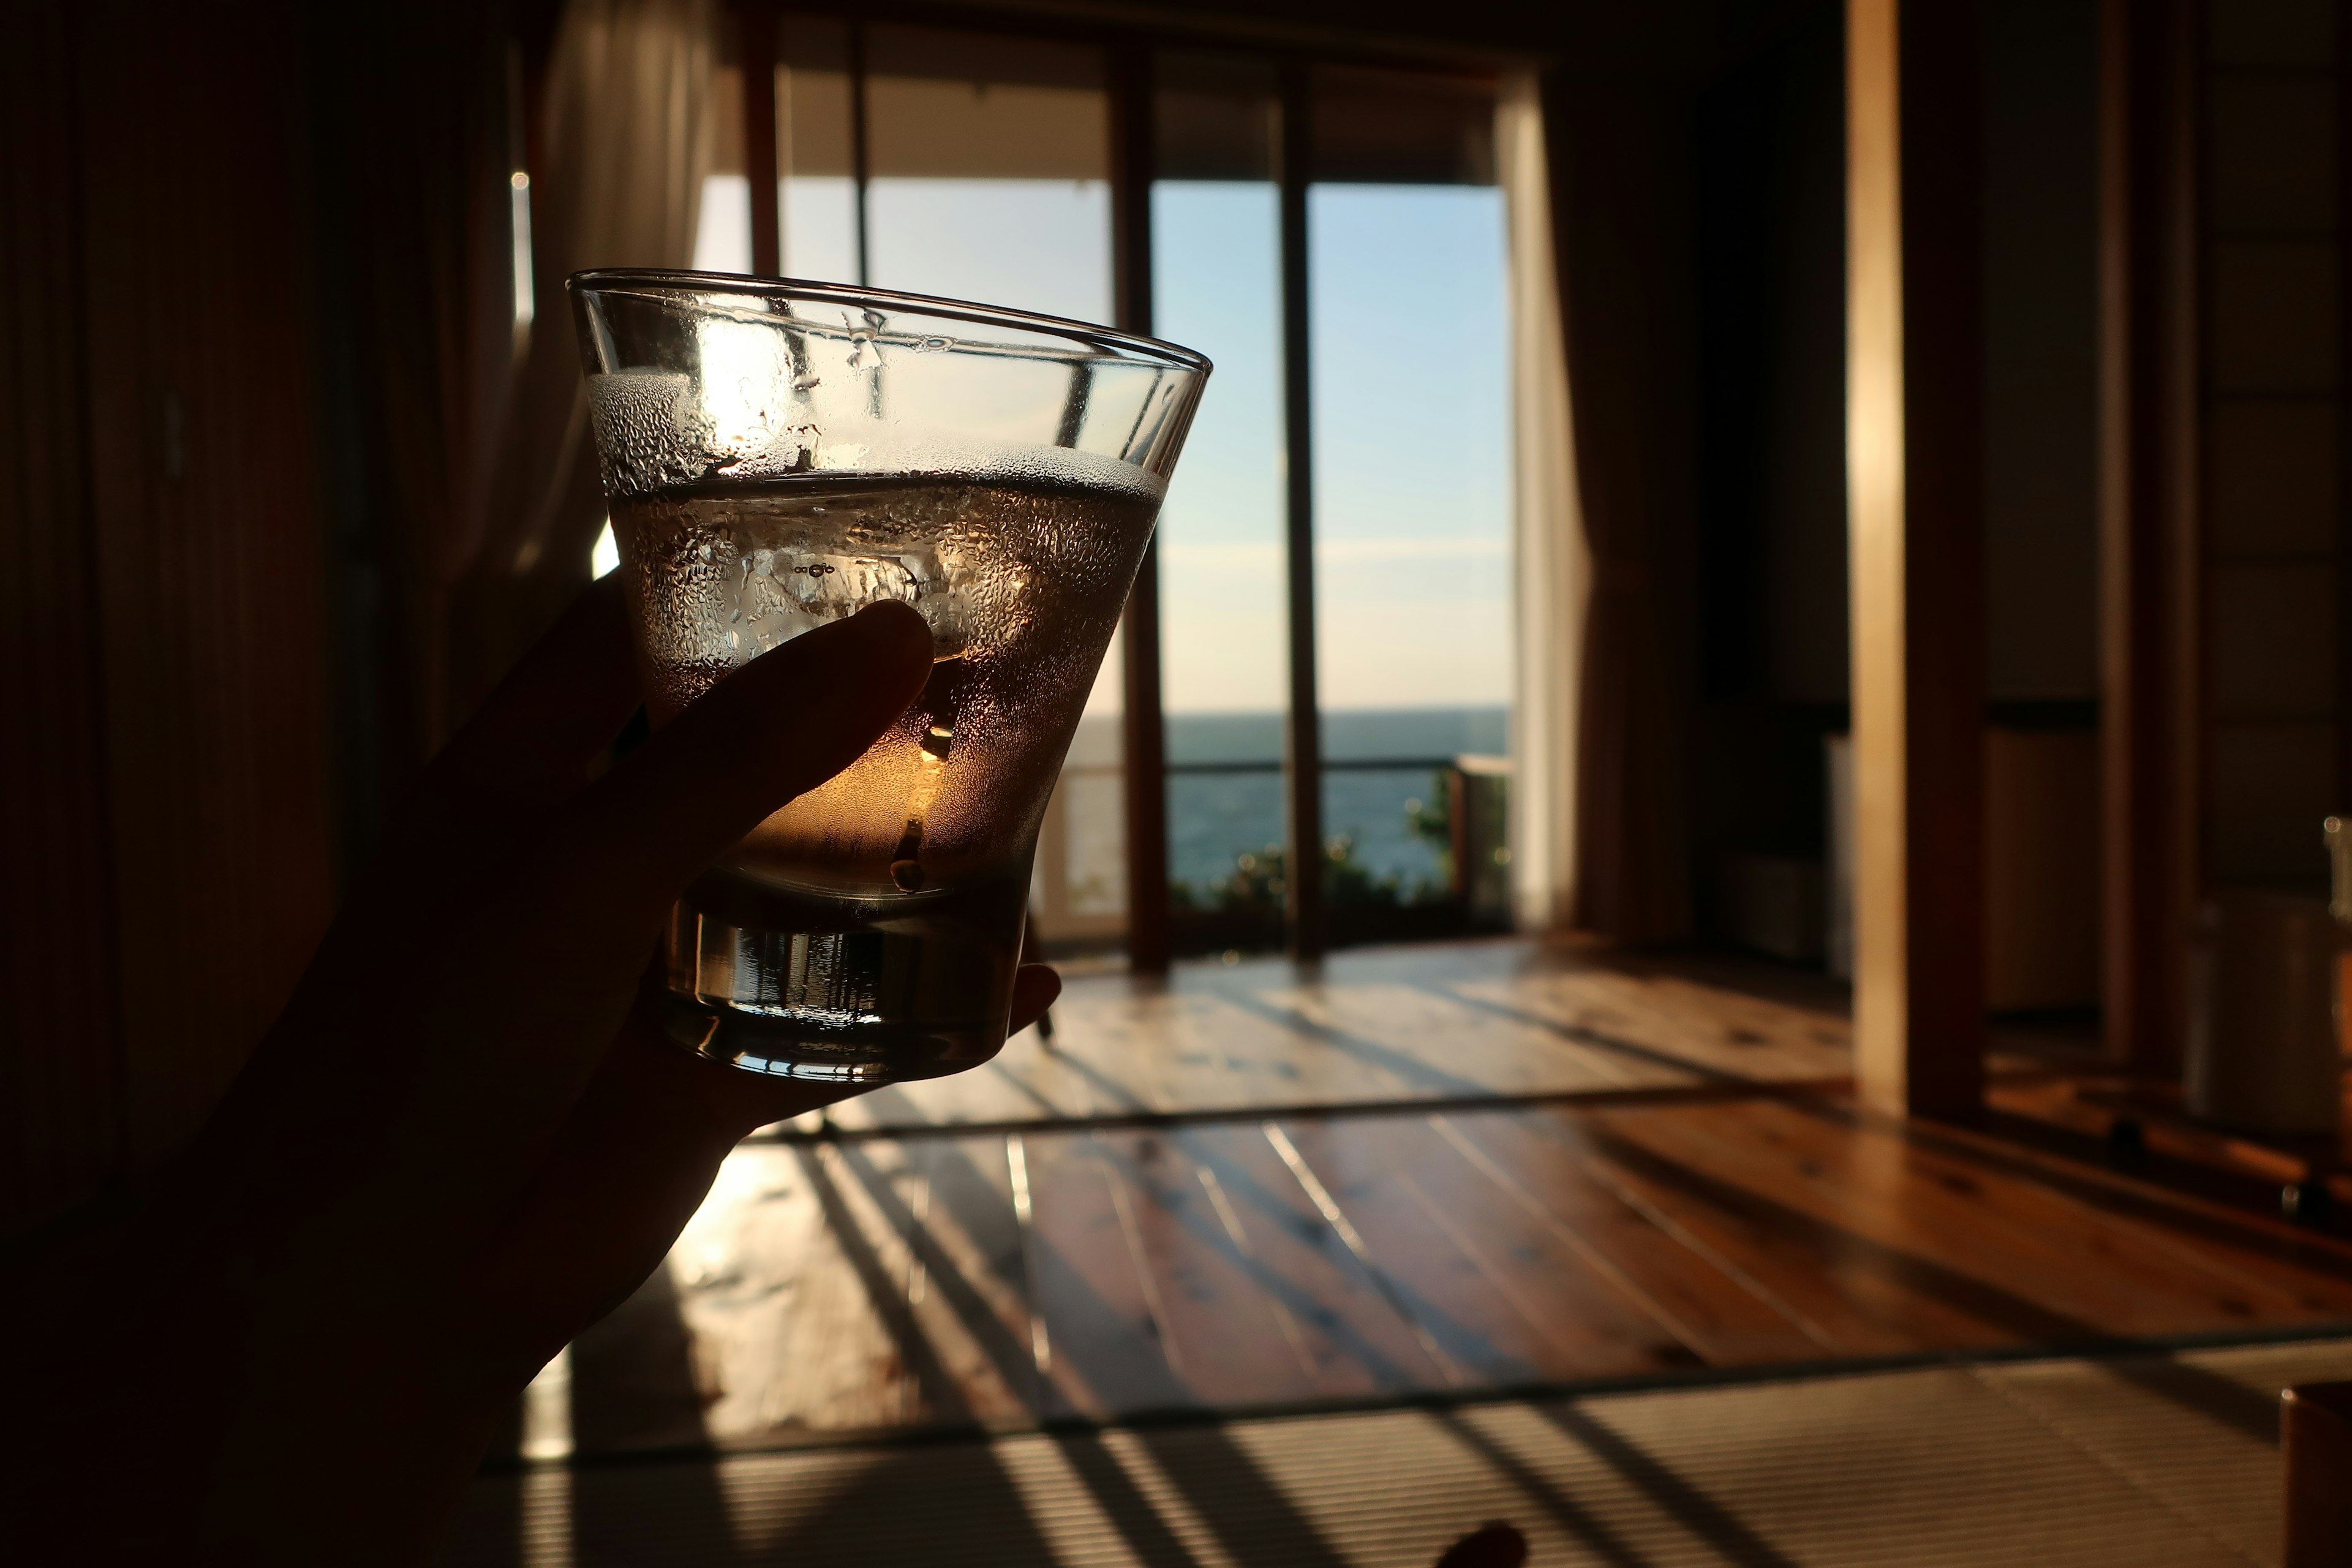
pixel 779 456
pixel 988 164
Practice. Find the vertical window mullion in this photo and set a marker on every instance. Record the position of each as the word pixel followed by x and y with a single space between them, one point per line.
pixel 858 141
pixel 1303 748
pixel 1144 744
pixel 757 34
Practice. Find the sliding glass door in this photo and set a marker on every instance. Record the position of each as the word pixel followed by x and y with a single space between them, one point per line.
pixel 1331 587
pixel 1410 381
pixel 1216 273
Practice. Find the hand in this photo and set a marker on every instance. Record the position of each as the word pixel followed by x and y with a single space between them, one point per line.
pixel 458 1147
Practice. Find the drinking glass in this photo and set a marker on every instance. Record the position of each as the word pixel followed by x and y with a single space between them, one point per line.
pixel 779 455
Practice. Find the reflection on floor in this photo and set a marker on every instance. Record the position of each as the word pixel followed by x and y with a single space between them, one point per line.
pixel 1990 1463
pixel 1425 1173
pixel 1466 1022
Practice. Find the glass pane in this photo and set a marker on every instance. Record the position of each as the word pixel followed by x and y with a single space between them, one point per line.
pixel 816 196
pixel 722 231
pixel 988 165
pixel 1217 287
pixel 1412 430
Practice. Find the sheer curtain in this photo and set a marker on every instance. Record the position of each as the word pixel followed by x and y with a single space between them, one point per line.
pixel 1554 567
pixel 625 135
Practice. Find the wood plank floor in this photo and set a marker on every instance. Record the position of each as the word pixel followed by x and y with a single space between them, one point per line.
pixel 1468 1021
pixel 1420 1174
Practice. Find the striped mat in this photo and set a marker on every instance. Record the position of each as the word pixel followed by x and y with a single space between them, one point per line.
pixel 2133 1460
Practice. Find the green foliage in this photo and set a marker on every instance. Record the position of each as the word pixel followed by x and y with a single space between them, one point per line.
pixel 1257 883
pixel 1433 824
pixel 1256 886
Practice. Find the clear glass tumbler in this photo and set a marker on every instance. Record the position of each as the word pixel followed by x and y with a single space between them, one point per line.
pixel 779 455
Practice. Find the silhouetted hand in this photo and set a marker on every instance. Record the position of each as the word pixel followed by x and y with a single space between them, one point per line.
pixel 455 1149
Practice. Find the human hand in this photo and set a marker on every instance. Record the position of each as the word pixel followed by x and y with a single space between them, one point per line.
pixel 458 1146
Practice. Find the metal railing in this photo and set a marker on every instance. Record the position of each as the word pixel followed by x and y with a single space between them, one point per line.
pixel 1477 853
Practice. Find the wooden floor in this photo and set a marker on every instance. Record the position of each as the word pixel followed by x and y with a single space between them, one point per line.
pixel 1423 1173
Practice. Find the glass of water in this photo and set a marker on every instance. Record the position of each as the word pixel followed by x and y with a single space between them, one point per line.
pixel 779 455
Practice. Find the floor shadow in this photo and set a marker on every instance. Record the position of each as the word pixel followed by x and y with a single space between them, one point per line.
pixel 978 1208
pixel 1599 1039
pixel 2208 1394
pixel 1243 1187
pixel 1214 1475
pixel 2105 1193
pixel 1591 1532
pixel 1687 1504
pixel 633 1388
pixel 2217 1398
pixel 1410 1069
pixel 919 1504
pixel 1101 1080
pixel 1418 1315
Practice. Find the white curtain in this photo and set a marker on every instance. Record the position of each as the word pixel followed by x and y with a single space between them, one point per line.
pixel 1554 566
pixel 626 135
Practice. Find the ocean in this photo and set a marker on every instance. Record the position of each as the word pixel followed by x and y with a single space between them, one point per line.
pixel 1214 817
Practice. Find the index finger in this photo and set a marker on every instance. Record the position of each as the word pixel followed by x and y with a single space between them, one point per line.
pixel 620 852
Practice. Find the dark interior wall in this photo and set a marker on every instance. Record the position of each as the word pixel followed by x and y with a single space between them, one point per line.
pixel 1771 273
pixel 2041 279
pixel 2275 532
pixel 1654 39
pixel 164 817
pixel 1770 232
pixel 1772 433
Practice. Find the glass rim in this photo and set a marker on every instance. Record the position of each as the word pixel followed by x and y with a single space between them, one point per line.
pixel 1133 346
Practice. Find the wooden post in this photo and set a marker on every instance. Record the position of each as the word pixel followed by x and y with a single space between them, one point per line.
pixel 1145 752
pixel 1914 462
pixel 2315 1433
pixel 2148 460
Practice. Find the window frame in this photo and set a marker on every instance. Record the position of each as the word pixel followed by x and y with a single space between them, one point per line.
pixel 1128 50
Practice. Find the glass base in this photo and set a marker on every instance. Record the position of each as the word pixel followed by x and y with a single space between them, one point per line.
pixel 842 990
pixel 783 1045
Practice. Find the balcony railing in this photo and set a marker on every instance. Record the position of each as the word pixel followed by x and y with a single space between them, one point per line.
pixel 1080 898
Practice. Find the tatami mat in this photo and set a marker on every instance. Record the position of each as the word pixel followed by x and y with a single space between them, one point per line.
pixel 2146 1460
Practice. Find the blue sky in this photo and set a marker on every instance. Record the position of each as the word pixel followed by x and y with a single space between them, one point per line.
pixel 1411 426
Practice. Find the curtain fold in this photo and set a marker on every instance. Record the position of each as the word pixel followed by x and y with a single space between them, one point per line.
pixel 625 135
pixel 1552 583
pixel 420 145
pixel 1623 200
pixel 475 501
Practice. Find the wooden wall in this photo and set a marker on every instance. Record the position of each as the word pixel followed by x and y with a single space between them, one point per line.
pixel 2273 355
pixel 164 817
pixel 61 1093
